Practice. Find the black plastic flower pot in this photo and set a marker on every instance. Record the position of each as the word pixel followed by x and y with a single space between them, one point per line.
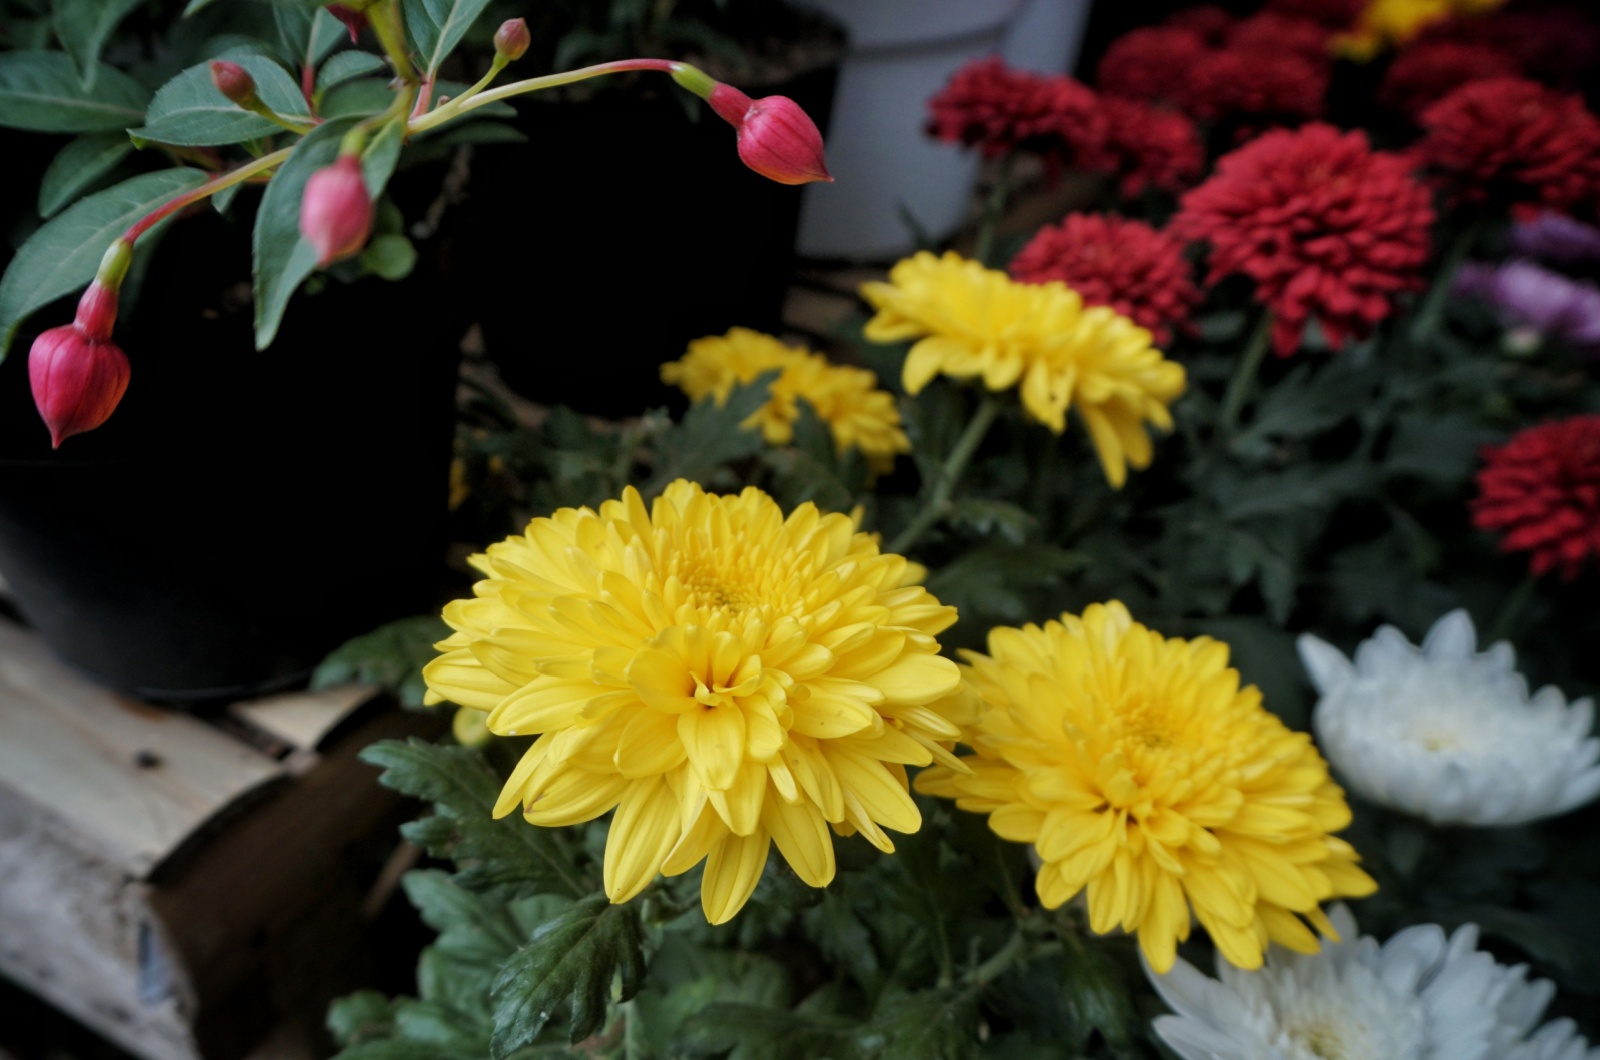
pixel 242 513
pixel 625 227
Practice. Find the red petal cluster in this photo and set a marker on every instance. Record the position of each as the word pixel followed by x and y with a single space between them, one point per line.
pixel 1234 82
pixel 999 110
pixel 1324 225
pixel 1271 32
pixel 1542 491
pixel 1431 69
pixel 1151 146
pixel 1150 63
pixel 1208 20
pixel 1112 261
pixel 1514 139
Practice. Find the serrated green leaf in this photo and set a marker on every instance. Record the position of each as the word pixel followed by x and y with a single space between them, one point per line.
pixel 506 856
pixel 931 1025
pixel 82 27
pixel 710 435
pixel 470 926
pixel 437 26
pixel 62 255
pixel 305 35
pixel 189 110
pixel 756 1032
pixel 347 66
pixel 42 92
pixel 392 1050
pixel 993 518
pixel 78 166
pixel 569 961
pixel 391 657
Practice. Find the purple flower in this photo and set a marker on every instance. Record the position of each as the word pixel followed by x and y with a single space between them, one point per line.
pixel 1535 303
pixel 1557 238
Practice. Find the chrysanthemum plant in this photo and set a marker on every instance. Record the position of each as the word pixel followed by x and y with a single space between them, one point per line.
pixel 317 104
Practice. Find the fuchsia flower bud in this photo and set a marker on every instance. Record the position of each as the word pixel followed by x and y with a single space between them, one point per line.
pixel 336 211
pixel 776 138
pixel 512 39
pixel 233 81
pixel 77 373
pixel 354 21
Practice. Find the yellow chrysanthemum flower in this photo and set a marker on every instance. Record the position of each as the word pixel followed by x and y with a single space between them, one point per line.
pixel 1141 771
pixel 847 399
pixel 977 323
pixel 1384 23
pixel 723 677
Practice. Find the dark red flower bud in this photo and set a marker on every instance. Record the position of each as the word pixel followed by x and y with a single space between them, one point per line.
pixel 77 373
pixel 511 40
pixel 354 21
pixel 336 211
pixel 233 81
pixel 776 138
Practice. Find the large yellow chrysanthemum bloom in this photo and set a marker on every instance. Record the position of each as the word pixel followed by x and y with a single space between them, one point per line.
pixel 1384 23
pixel 1141 771
pixel 977 323
pixel 847 399
pixel 723 677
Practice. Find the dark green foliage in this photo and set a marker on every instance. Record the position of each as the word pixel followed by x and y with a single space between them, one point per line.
pixel 391 657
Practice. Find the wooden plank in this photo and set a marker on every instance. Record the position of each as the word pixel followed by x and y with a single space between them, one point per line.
pixel 129 782
pixel 303 719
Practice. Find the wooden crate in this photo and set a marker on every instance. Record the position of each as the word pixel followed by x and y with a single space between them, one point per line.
pixel 187 887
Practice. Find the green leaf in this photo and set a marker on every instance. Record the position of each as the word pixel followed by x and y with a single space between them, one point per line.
pixel 437 26
pixel 62 255
pixel 931 1025
pixel 506 856
pixel 1444 448
pixel 993 518
pixel 361 1016
pixel 390 1050
pixel 78 166
pixel 190 111
pixel 41 92
pixel 82 26
pixel 391 656
pixel 573 958
pixel 756 1031
pixel 347 66
pixel 710 435
pixel 306 35
pixel 391 257
pixel 471 927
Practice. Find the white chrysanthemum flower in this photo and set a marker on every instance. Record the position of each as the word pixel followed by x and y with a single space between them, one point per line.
pixel 1419 996
pixel 1448 733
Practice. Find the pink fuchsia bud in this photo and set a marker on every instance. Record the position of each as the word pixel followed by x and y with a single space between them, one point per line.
pixel 512 39
pixel 354 21
pixel 776 138
pixel 78 375
pixel 336 211
pixel 233 81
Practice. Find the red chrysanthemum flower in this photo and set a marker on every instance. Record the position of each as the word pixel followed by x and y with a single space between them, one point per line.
pixel 1273 33
pixel 1324 225
pixel 1112 261
pixel 1150 63
pixel 1431 69
pixel 1514 139
pixel 1335 14
pixel 1208 20
pixel 1541 490
pixel 1257 85
pixel 999 110
pixel 1151 146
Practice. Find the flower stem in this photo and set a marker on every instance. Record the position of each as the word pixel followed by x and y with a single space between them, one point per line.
pixel 206 190
pixel 994 206
pixel 949 475
pixel 1429 313
pixel 1001 962
pixel 388 24
pixel 1512 610
pixel 471 100
pixel 1244 376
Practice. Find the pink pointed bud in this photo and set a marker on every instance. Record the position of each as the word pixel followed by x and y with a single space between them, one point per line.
pixel 354 21
pixel 336 211
pixel 511 40
pixel 776 138
pixel 77 373
pixel 233 81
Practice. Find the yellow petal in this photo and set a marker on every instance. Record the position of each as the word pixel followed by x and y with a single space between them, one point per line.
pixel 802 838
pixel 545 704
pixel 916 678
pixel 740 805
pixel 707 831
pixel 459 677
pixel 713 737
pixel 576 796
pixel 732 871
pixel 662 681
pixel 643 832
pixel 649 744
pixel 885 798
